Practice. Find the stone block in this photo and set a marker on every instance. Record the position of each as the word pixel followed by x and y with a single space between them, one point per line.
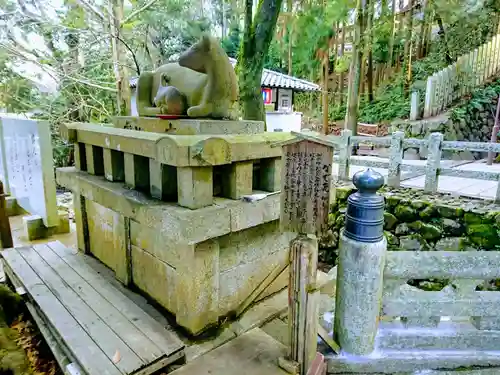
pixel 245 215
pixel 63 226
pixel 237 283
pixel 34 227
pixel 195 187
pixel 197 289
pixel 114 165
pixel 188 126
pixel 11 206
pixel 106 236
pixel 137 172
pixel 163 181
pixel 154 277
pixel 237 179
pixel 270 174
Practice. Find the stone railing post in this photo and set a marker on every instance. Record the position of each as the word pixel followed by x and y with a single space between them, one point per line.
pixel 395 159
pixel 415 106
pixel 360 267
pixel 345 153
pixel 433 161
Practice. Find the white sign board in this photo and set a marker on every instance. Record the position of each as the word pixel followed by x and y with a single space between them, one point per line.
pixel 27 166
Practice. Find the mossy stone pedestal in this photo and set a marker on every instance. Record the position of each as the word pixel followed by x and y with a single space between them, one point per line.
pixel 173 223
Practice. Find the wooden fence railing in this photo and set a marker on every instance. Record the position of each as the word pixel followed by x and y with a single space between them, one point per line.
pixel 397 143
pixel 469 71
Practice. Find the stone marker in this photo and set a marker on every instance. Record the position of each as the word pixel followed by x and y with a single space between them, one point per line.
pixel 29 170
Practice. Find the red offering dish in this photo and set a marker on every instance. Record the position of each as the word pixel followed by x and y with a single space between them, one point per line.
pixel 171 117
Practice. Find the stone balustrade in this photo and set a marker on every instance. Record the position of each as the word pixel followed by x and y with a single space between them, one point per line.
pixel 189 170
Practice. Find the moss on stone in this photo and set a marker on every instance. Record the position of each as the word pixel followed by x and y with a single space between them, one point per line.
pixel 451 244
pixel 392 240
pixel 413 242
pixel 343 193
pixel 392 201
pixel 389 221
pixel 405 213
pixel 419 204
pixel 450 212
pixel 483 235
pixel 430 232
pixel 474 218
pixel 428 213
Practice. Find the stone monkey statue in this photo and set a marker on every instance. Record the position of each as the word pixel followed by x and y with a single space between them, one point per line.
pixel 203 74
pixel 169 99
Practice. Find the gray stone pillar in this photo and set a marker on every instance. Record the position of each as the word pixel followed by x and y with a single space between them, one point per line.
pixel 360 267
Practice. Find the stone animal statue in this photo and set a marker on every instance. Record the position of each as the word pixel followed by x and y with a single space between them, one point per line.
pixel 169 99
pixel 203 74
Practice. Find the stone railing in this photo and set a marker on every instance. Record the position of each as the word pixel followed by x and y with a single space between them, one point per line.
pixel 188 170
pixel 384 325
pixel 397 143
pixel 460 78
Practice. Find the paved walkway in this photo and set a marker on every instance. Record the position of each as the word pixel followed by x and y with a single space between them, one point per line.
pixel 447 184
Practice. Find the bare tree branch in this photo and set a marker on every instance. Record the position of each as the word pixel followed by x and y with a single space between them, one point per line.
pixel 136 12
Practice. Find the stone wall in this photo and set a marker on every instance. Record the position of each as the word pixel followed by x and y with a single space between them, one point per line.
pixel 471 121
pixel 416 221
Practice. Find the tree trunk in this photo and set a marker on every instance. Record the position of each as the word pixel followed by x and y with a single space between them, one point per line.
pixel 341 76
pixel 401 19
pixel 290 35
pixel 115 8
pixel 369 72
pixel 390 58
pixel 351 121
pixel 335 56
pixel 256 41
pixel 423 29
pixel 324 94
pixel 408 49
pixel 442 34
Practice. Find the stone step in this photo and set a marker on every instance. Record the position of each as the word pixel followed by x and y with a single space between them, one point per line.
pixel 438 339
pixel 399 361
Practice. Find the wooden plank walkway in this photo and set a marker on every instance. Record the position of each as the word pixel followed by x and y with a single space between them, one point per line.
pixel 253 353
pixel 100 329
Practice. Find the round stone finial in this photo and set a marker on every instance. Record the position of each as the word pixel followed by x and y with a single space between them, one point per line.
pixel 368 181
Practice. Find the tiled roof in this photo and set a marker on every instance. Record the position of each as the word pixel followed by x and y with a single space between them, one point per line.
pixel 272 79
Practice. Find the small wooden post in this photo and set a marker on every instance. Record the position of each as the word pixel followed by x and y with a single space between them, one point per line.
pixel 5 233
pixel 305 201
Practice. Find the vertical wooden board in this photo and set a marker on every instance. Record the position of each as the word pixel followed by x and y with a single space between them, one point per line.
pixel 305 186
pixel 166 340
pixel 133 337
pixel 91 357
pixel 109 342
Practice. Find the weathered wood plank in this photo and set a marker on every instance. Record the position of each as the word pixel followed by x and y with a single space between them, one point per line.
pixel 253 353
pixel 420 303
pixel 163 338
pixel 109 342
pixel 442 264
pixel 130 334
pixel 91 357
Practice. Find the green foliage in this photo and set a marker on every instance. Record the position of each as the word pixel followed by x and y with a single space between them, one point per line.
pixel 481 99
pixel 232 42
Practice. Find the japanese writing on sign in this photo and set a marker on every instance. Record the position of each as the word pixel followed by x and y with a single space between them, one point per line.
pixel 305 191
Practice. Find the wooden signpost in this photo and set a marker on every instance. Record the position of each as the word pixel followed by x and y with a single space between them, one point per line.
pixel 305 201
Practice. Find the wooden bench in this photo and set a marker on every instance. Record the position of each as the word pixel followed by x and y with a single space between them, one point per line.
pixel 94 324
